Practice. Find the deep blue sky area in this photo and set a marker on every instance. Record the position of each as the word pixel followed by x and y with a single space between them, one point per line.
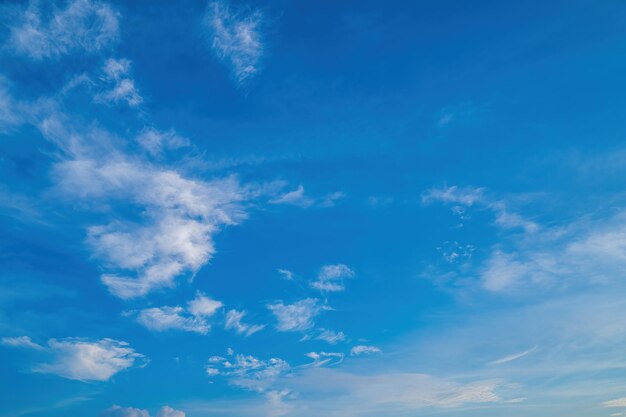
pixel 312 208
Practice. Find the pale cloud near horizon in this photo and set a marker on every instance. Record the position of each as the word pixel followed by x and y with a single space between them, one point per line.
pixel 236 38
pixel 83 25
pixel 117 411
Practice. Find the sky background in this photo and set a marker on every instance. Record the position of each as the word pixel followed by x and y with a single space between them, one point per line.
pixel 296 208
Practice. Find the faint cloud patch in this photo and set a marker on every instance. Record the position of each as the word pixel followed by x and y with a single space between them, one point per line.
pixel 236 38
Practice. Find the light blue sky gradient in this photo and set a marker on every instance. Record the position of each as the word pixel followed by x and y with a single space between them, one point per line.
pixel 296 208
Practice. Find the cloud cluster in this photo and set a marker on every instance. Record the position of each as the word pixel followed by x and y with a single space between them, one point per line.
pixel 462 198
pixel 246 371
pixel 236 38
pixel 117 411
pixel 85 25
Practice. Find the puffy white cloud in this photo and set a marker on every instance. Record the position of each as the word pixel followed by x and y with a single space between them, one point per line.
pixel 194 319
pixel 21 341
pixel 86 360
pixel 234 322
pixel 236 38
pixel 363 349
pixel 175 235
pixel 330 278
pixel 83 25
pixel 171 318
pixel 121 87
pixel 203 306
pixel 117 411
pixel 297 316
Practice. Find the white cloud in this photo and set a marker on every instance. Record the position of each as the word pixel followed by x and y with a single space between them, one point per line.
pixel 285 274
pixel 583 252
pixel 464 198
pixel 467 196
pixel 85 360
pixel 121 87
pixel 203 306
pixel 117 411
pixel 236 38
pixel 168 411
pixel 246 371
pixel 155 142
pixel 21 341
pixel 175 235
pixel 294 198
pixel 171 318
pixel 194 319
pixel 618 403
pixel 83 25
pixel 297 316
pixel 234 322
pixel 331 277
pixel 330 336
pixel 363 350
pixel 513 357
pixel 324 358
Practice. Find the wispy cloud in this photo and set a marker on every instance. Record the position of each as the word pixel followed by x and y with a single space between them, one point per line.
pixel 82 25
pixel 117 411
pixel 234 321
pixel 463 198
pixel 294 198
pixel 513 357
pixel 331 278
pixel 298 316
pixel 21 341
pixel 236 38
pixel 363 350
pixel 299 198
pixel 120 85
pixel 247 371
pixel 330 336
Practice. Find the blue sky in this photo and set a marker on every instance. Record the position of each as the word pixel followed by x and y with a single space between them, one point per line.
pixel 291 208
